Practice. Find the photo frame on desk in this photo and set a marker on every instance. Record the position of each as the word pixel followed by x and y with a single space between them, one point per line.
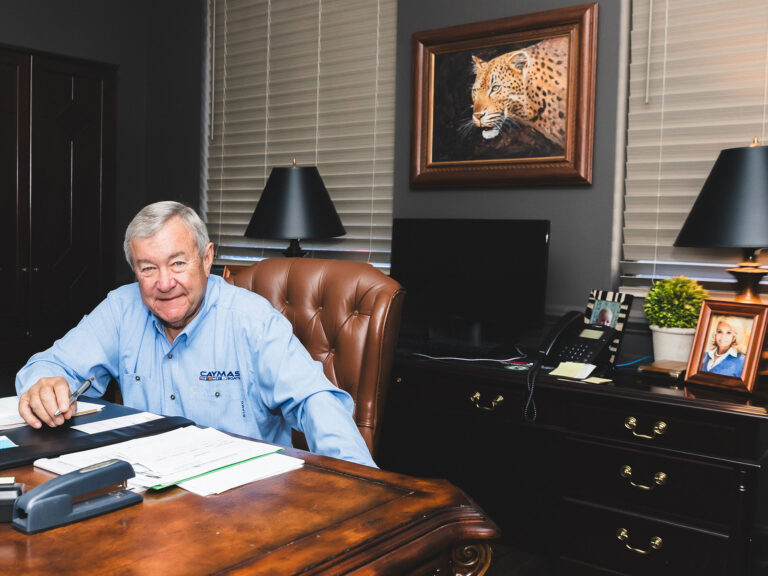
pixel 728 345
pixel 609 309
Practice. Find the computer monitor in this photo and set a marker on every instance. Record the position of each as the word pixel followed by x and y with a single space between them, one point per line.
pixel 472 285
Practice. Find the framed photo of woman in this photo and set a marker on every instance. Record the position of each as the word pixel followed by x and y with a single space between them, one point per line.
pixel 727 346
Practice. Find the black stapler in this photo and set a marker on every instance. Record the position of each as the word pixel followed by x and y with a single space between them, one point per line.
pixel 55 503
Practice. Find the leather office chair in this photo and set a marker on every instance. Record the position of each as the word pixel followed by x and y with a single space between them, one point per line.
pixel 346 314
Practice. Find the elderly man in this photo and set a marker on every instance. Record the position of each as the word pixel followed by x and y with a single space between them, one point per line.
pixel 182 342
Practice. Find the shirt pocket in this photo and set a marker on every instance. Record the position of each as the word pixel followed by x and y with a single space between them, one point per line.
pixel 217 403
pixel 138 392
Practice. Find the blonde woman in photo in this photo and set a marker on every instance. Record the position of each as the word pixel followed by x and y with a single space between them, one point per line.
pixel 726 351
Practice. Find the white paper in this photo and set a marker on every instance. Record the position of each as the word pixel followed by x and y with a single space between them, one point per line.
pixel 115 423
pixel 169 457
pixel 243 473
pixel 10 417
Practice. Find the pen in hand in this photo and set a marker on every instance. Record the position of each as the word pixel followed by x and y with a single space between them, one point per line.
pixel 73 397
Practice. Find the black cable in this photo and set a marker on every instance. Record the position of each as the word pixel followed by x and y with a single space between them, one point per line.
pixel 529 412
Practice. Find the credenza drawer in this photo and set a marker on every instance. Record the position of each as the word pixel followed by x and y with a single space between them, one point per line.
pixel 456 397
pixel 636 545
pixel 655 427
pixel 681 489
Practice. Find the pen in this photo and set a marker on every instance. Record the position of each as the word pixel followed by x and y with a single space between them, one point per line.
pixel 83 387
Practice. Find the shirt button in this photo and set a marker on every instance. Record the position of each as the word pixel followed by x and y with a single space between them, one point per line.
pixel 170 355
pixel 173 396
pixel 217 394
pixel 138 378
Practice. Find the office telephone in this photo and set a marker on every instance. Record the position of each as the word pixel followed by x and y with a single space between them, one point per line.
pixel 573 340
pixel 570 340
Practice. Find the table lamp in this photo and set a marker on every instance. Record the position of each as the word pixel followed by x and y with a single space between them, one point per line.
pixel 731 211
pixel 295 205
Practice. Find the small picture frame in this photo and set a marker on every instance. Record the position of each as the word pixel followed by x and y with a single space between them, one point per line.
pixel 609 309
pixel 727 345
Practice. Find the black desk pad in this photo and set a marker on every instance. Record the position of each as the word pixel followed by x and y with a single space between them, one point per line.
pixel 51 442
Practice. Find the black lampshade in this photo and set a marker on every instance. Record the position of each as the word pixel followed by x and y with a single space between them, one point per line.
pixel 732 208
pixel 295 205
pixel 731 211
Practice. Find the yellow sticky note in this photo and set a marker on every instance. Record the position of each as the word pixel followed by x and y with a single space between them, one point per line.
pixel 575 370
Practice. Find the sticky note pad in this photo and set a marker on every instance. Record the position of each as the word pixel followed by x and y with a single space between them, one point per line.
pixel 575 370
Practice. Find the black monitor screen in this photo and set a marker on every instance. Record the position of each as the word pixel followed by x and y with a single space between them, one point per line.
pixel 469 283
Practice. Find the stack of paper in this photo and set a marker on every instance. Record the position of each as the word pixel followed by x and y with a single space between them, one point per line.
pixel 10 418
pixel 174 457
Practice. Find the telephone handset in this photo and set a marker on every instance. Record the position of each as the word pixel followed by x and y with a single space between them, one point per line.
pixel 572 340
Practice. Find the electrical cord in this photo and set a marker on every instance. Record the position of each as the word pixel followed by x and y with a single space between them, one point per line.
pixel 529 411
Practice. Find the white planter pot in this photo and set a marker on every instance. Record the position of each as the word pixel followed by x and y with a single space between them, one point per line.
pixel 672 343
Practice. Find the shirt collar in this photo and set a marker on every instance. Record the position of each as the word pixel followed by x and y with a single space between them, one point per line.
pixel 731 352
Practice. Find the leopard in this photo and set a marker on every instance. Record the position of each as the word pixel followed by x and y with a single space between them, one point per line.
pixel 528 86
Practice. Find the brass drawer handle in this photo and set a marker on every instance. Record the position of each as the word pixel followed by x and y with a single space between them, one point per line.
pixel 475 399
pixel 655 543
pixel 630 423
pixel 659 479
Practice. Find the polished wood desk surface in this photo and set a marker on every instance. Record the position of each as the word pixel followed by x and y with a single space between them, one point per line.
pixel 329 517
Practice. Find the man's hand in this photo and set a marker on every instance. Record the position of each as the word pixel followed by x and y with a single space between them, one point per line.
pixel 43 399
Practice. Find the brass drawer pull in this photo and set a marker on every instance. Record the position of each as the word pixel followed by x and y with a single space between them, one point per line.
pixel 659 479
pixel 655 543
pixel 630 423
pixel 475 399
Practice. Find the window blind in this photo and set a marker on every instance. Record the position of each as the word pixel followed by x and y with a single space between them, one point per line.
pixel 311 80
pixel 698 84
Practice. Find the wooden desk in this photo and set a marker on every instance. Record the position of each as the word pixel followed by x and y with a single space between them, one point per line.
pixel 330 517
pixel 604 470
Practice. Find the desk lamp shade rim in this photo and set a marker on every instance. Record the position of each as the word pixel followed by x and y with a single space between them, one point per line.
pixel 731 210
pixel 295 205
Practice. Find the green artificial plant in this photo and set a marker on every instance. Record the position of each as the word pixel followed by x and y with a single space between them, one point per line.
pixel 674 303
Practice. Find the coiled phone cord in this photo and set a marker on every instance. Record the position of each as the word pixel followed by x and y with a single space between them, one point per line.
pixel 529 412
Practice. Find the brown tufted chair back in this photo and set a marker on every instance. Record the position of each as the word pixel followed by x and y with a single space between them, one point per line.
pixel 346 314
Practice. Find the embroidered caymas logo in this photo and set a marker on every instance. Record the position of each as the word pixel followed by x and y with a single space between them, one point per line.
pixel 219 375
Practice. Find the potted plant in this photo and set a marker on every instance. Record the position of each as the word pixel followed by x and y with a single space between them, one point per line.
pixel 672 308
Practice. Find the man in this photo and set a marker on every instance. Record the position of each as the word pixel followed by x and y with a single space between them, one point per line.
pixel 182 342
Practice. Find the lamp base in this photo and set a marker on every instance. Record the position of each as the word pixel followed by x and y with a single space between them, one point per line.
pixel 748 276
pixel 294 250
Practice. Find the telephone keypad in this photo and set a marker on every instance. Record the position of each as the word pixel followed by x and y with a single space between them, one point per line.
pixel 576 352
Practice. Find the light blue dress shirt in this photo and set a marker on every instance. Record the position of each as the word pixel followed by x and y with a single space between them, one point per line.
pixel 236 366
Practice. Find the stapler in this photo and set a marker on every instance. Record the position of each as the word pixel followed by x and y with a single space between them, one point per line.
pixel 55 503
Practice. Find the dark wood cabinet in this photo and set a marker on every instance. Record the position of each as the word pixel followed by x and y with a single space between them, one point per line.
pixel 638 476
pixel 57 171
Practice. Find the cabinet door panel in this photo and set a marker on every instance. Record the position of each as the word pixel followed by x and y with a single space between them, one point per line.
pixel 68 241
pixel 14 193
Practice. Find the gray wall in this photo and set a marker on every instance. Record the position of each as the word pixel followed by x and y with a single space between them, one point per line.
pixel 157 47
pixel 582 229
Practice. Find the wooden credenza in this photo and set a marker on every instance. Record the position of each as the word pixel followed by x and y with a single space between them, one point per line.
pixel 640 476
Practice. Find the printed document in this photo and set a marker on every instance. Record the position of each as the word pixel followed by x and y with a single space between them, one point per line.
pixel 168 458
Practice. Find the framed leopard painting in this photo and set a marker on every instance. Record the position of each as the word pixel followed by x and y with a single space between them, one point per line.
pixel 505 102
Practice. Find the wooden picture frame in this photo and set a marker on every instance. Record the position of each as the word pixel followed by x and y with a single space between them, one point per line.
pixel 505 102
pixel 739 325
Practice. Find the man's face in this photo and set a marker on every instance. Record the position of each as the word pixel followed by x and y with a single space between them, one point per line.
pixel 172 277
